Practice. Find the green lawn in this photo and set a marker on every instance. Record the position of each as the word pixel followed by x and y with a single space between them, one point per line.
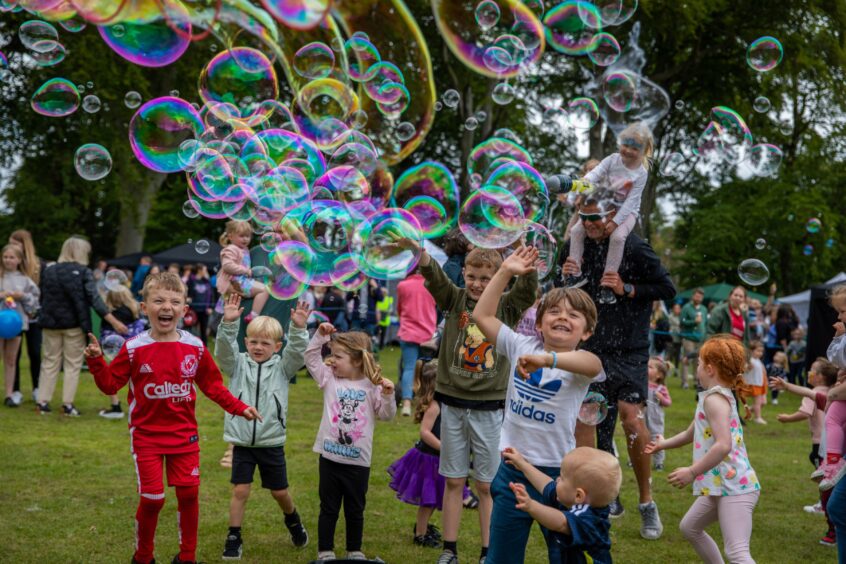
pixel 67 490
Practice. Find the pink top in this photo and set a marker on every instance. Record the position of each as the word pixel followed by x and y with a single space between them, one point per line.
pixel 233 262
pixel 816 417
pixel 417 311
pixel 350 408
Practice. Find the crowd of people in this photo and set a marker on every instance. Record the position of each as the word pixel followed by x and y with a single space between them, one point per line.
pixel 494 369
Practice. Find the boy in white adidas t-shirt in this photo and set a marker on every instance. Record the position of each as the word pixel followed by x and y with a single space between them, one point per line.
pixel 549 381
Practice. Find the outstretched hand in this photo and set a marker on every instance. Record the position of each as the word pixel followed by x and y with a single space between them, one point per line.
pixel 522 261
pixel 93 349
pixel 681 477
pixel 513 457
pixel 232 309
pixel 251 413
pixel 528 363
pixel 523 498
pixel 299 315
pixel 777 383
pixel 654 446
pixel 326 329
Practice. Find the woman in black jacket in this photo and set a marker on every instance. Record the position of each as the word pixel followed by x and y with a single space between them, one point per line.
pixel 68 292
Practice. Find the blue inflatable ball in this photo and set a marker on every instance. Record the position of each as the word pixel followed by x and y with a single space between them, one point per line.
pixel 11 324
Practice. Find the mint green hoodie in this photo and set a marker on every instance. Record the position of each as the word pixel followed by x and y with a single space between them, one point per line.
pixel 264 386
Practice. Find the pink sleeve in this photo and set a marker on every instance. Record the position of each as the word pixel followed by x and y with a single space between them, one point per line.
pixel 665 399
pixel 230 261
pixel 807 407
pixel 314 360
pixel 210 382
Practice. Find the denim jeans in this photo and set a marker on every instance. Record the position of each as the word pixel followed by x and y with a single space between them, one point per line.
pixel 510 526
pixel 410 353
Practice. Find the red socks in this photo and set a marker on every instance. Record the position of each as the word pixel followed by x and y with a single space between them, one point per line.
pixel 146 519
pixel 187 518
pixel 833 457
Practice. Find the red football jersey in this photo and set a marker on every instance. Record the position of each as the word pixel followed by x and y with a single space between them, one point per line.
pixel 161 397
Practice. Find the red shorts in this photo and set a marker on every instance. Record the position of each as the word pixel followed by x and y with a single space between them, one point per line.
pixel 183 469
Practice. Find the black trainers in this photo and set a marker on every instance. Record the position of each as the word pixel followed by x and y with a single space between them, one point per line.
pixel 114 412
pixel 176 560
pixel 153 561
pixel 434 532
pixel 233 548
pixel 427 541
pixel 10 403
pixel 299 535
pixel 43 408
pixel 70 411
pixel 616 509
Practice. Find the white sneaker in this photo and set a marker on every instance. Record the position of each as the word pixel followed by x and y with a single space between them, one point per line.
pixel 775 401
pixel 17 397
pixel 356 555
pixel 324 555
pixel 35 395
pixel 406 410
pixel 650 526
pixel 814 509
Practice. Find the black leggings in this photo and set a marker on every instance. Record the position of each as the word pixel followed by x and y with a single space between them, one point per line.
pixel 341 483
pixel 32 336
pixel 814 456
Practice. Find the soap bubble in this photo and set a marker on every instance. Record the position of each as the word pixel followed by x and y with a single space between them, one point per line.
pixel 92 161
pixel 671 166
pixel 111 345
pixel 154 42
pixel 571 26
pixel 114 280
pixel 376 251
pixel 487 14
pixel 429 192
pixel 91 104
pixel 314 60
pixel 619 90
pixel 808 250
pixel 451 98
pixel 56 98
pixel 582 113
pixel 49 58
pixel 761 244
pixel 761 104
pixel 765 159
pixel 492 218
pixel 604 50
pixel 189 209
pixel 679 104
pixel 471 123
pixel 202 246
pixel 38 36
pixel 132 99
pixel 594 409
pixel 158 129
pixel 764 54
pixel 813 225
pixel 753 272
pixel 503 93
pixel 240 76
pixel 830 243
pixel 405 131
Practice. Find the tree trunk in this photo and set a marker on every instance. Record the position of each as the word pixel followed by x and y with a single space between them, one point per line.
pixel 134 213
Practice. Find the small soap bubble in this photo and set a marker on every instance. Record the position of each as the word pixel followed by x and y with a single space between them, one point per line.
pixel 753 272
pixel 91 104
pixel 594 409
pixel 761 244
pixel 114 280
pixel 451 98
pixel 132 99
pixel 111 346
pixel 202 246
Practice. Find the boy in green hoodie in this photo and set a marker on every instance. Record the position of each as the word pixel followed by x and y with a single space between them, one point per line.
pixel 262 376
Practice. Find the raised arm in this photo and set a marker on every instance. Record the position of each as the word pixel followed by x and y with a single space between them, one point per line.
pixel 777 383
pixel 313 357
pixel 226 343
pixel 293 357
pixel 110 378
pixel 521 261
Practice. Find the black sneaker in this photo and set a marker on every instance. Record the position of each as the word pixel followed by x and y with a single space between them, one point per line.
pixel 233 548
pixel 114 412
pixel 70 411
pixel 153 561
pixel 43 408
pixel 427 541
pixel 299 535
pixel 10 403
pixel 434 532
pixel 616 509
pixel 176 560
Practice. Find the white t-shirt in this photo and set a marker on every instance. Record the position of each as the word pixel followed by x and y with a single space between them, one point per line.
pixel 625 184
pixel 541 412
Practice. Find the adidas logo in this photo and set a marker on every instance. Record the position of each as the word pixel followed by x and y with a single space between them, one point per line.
pixel 195 471
pixel 145 369
pixel 531 388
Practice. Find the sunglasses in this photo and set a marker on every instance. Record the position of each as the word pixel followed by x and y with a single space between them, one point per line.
pixel 591 216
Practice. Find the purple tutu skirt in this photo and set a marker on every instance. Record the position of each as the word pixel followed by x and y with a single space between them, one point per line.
pixel 416 480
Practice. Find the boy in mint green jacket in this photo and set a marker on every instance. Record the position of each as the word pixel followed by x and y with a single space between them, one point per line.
pixel 262 376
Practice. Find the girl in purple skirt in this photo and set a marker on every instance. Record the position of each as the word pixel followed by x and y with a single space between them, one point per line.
pixel 415 476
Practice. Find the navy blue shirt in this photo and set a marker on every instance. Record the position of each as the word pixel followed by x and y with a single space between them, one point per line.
pixel 589 536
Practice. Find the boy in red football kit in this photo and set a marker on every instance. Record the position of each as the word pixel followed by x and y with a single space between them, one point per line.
pixel 162 365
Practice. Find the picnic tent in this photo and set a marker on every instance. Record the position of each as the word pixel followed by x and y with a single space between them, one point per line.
pixel 717 293
pixel 821 318
pixel 187 254
pixel 801 302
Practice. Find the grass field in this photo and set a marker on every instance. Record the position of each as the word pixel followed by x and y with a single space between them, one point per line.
pixel 67 490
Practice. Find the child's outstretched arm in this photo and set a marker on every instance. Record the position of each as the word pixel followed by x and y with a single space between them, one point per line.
pixel 548 517
pixel 313 357
pixel 443 291
pixel 521 261
pixel 781 384
pixel 676 441
pixel 294 353
pixel 210 381
pixel 578 362
pixel 538 479
pixel 110 378
pixel 792 417
pixel 226 342
pixel 718 413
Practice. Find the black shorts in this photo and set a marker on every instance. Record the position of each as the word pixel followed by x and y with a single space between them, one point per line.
pixel 271 464
pixel 625 377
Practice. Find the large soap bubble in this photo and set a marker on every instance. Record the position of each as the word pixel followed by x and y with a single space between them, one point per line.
pixel 56 98
pixel 429 192
pixel 764 54
pixel 157 130
pixel 92 161
pixel 492 218
pixel 753 272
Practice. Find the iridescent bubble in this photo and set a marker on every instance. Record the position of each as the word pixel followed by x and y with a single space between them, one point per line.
pixel 484 156
pixel 189 209
pixel 487 14
pixel 604 50
pixel 571 26
pixel 344 183
pixel 73 25
pixel 594 409
pixel 298 14
pixel 813 225
pixel 671 166
pixel 114 280
pixel 152 43
pixel 761 104
pixel 202 246
pixel 830 243
pixel 50 58
pixel 314 60
pixel 132 99
pixel 619 90
pixel 362 55
pixel 451 98
pixel 761 244
pixel 503 93
pixel 764 54
pixel 765 159
pixel 808 250
pixel 429 192
pixel 539 237
pixel 582 113
pixel 405 131
pixel 56 98
pixel 753 272
pixel 358 119
pixel 38 36
pixel 471 123
pixel 240 76
pixel 111 345
pixel 158 129
pixel 91 104
pixel 679 104
pixel 491 218
pixel 92 161
pixel 296 258
pixel 377 248
pixel 524 183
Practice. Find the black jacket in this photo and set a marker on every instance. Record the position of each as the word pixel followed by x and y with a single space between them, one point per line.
pixel 624 326
pixel 68 291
